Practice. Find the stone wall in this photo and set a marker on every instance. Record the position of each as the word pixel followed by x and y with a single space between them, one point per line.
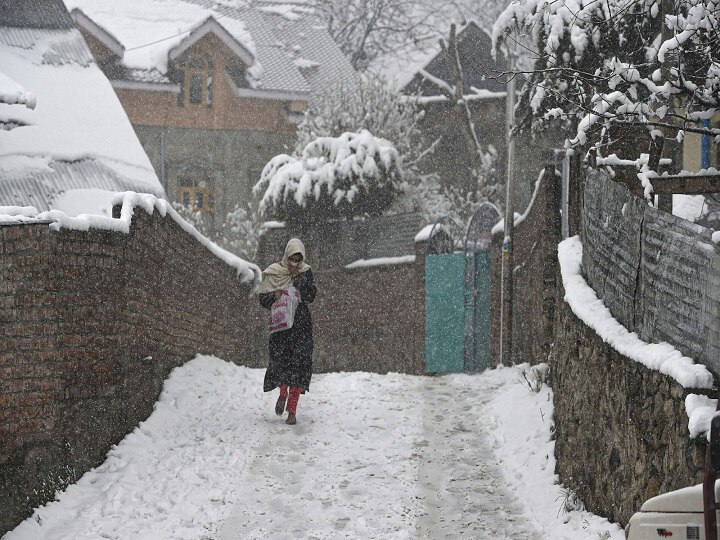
pixel 621 429
pixel 658 274
pixel 92 324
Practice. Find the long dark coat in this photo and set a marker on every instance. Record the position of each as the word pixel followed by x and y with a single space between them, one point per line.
pixel 291 350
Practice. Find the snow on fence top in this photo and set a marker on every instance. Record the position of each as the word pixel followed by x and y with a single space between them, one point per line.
pixel 247 272
pixel 591 310
pixel 424 234
pixel 381 261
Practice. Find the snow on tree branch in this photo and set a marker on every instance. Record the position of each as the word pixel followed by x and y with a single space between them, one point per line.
pixel 350 175
pixel 651 63
pixel 367 30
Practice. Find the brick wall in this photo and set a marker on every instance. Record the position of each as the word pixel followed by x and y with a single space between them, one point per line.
pixel 94 321
pixel 371 319
pixel 365 319
pixel 92 324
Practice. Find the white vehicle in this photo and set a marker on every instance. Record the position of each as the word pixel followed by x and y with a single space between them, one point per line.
pixel 681 514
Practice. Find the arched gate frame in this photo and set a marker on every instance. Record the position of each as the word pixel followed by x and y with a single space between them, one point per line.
pixel 478 278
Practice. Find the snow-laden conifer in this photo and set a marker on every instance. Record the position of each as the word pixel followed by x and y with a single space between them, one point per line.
pixel 351 175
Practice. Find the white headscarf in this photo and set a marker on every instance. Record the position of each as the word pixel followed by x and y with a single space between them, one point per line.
pixel 277 275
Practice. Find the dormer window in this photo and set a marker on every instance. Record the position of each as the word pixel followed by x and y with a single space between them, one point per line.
pixel 196 80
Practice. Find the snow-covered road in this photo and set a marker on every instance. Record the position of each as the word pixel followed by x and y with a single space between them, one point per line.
pixel 372 456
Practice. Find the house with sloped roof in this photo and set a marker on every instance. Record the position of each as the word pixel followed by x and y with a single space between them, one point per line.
pixel 484 90
pixel 62 128
pixel 213 88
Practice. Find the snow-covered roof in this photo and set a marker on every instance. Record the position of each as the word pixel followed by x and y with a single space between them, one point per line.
pixel 77 132
pixel 310 47
pixel 285 45
pixel 480 71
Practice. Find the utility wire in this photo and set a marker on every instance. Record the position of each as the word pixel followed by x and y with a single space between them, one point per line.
pixel 169 37
pixel 215 9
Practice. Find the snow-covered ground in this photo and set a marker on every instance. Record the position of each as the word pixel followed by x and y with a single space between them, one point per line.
pixel 372 456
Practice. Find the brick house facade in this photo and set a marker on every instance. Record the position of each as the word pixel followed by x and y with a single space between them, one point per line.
pixel 217 103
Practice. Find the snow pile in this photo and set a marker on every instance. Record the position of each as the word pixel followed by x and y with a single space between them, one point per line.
pixel 75 202
pixel 424 234
pixel 18 214
pixel 339 169
pixel 700 410
pixel 12 93
pixel 590 309
pixel 247 272
pixel 458 456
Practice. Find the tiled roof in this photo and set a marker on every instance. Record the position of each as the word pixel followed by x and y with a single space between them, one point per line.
pixel 47 14
pixel 276 39
pixel 305 39
pixel 66 47
pixel 278 71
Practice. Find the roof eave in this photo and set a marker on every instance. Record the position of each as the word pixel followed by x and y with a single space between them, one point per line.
pixel 105 37
pixel 120 84
pixel 261 93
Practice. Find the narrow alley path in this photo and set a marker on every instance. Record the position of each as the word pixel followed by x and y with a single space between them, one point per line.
pixel 409 462
pixel 389 457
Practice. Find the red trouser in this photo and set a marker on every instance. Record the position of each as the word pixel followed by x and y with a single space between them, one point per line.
pixel 294 397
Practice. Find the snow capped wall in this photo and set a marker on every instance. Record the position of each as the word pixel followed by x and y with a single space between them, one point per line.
pixel 621 428
pixel 630 358
pixel 94 318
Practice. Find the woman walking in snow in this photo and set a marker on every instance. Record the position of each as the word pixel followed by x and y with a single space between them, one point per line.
pixel 290 365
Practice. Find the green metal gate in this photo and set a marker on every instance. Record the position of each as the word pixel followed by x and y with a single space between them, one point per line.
pixel 477 310
pixel 444 313
pixel 457 296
